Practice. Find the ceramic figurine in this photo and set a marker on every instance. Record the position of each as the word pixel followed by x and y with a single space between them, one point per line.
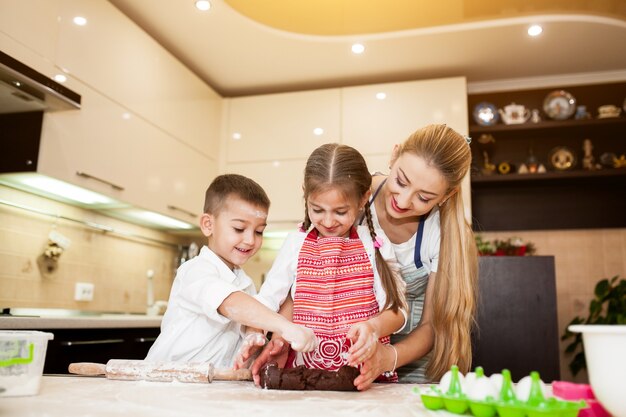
pixel 535 117
pixel 589 160
pixel 582 113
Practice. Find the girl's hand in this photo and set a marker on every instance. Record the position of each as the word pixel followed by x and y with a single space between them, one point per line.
pixel 372 368
pixel 302 339
pixel 364 342
pixel 276 350
pixel 250 348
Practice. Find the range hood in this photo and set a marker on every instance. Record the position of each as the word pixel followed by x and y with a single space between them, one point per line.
pixel 22 89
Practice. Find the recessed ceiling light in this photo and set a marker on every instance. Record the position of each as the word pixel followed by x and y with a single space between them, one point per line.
pixel 126 116
pixel 381 96
pixel 60 78
pixel 276 164
pixel 535 30
pixel 358 48
pixel 80 21
pixel 236 135
pixel 318 131
pixel 203 5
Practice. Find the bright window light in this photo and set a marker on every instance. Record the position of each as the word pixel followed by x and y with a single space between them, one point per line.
pixel 358 48
pixel 318 131
pixel 535 30
pixel 381 96
pixel 203 5
pixel 60 78
pixel 65 190
pixel 80 21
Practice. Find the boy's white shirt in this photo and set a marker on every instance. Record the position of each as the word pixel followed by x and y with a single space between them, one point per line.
pixel 281 278
pixel 192 330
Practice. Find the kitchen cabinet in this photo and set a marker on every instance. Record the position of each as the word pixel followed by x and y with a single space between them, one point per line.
pixel 35 24
pixel 96 345
pixel 558 199
pixel 373 125
pixel 277 127
pixel 115 57
pixel 516 322
pixel 282 181
pixel 124 157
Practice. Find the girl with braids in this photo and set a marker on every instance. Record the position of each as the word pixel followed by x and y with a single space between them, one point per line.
pixel 420 210
pixel 331 275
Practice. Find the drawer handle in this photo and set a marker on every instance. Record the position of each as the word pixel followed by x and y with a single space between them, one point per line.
pixel 91 342
pixel 145 339
pixel 171 207
pixel 91 177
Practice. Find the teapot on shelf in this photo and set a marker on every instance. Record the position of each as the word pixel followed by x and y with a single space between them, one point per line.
pixel 515 114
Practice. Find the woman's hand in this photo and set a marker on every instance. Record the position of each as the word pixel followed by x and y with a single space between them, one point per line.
pixel 250 348
pixel 277 351
pixel 374 366
pixel 364 342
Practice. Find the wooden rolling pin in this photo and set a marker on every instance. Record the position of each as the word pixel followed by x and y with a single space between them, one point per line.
pixel 138 370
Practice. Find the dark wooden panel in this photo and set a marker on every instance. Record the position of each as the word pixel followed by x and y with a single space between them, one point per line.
pixel 96 345
pixel 19 138
pixel 576 203
pixel 517 317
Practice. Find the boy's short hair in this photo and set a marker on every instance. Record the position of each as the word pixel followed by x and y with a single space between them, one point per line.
pixel 224 186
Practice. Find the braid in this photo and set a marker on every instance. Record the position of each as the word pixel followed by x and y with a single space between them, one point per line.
pixel 307 221
pixel 394 299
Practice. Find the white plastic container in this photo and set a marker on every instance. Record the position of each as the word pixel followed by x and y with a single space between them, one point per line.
pixel 605 352
pixel 22 356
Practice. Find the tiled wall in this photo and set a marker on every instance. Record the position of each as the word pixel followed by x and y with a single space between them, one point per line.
pixel 115 265
pixel 582 258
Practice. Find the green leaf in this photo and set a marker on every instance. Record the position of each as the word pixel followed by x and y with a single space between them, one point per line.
pixel 602 288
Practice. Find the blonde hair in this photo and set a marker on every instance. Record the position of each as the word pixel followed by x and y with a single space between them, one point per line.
pixel 341 167
pixel 455 289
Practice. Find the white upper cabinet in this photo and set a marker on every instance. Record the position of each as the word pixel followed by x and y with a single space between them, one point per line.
pixel 281 126
pixel 107 149
pixel 115 57
pixel 282 181
pixel 31 23
pixel 375 117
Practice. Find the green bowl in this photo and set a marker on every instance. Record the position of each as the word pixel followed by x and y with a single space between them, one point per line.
pixel 432 402
pixel 510 410
pixel 482 409
pixel 456 405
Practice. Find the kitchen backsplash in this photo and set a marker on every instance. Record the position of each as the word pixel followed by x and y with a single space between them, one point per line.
pixel 116 265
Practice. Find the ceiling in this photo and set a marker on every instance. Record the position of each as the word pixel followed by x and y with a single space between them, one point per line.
pixel 240 48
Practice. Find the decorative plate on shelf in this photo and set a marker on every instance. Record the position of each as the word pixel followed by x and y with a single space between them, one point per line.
pixel 562 158
pixel 486 114
pixel 559 105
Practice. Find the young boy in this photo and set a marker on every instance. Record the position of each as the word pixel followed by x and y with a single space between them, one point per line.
pixel 211 297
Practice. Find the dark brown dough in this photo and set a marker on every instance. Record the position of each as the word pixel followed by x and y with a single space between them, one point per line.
pixel 301 378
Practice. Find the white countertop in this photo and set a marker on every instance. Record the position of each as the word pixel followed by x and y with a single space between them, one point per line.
pixel 95 397
pixel 80 322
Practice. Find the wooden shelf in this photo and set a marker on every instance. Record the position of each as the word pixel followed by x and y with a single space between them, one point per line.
pixel 547 125
pixel 565 175
pixel 575 199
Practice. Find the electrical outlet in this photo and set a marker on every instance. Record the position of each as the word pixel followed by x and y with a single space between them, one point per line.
pixel 83 291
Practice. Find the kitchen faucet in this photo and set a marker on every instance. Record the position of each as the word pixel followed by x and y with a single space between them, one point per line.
pixel 154 307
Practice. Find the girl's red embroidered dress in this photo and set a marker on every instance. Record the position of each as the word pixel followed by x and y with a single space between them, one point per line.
pixel 334 290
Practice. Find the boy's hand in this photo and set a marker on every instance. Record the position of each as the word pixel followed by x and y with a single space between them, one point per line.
pixel 302 339
pixel 250 348
pixel 277 350
pixel 364 342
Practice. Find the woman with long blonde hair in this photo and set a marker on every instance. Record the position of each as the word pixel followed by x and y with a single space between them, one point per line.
pixel 420 209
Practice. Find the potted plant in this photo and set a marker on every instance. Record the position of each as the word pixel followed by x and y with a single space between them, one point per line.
pixel 607 307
